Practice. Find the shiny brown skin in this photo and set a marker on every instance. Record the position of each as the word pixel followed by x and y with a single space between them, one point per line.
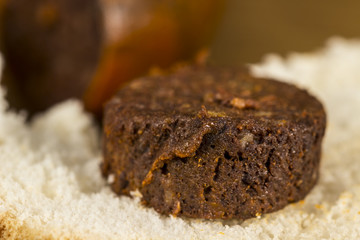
pixel 154 34
pixel 213 143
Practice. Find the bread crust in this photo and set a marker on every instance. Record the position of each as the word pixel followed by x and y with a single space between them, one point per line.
pixel 12 228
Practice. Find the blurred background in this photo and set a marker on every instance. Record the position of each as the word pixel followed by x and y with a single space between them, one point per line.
pixel 88 49
pixel 252 28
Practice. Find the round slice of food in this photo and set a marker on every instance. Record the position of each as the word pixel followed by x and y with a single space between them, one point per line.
pixel 213 143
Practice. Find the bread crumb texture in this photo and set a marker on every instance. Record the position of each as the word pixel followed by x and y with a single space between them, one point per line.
pixel 51 187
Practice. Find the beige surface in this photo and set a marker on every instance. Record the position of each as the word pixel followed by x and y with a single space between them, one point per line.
pixel 51 187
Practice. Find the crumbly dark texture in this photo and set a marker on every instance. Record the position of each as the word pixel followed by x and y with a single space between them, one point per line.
pixel 213 143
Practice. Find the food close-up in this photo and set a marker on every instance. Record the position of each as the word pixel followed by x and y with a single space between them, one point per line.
pixel 213 143
pixel 133 119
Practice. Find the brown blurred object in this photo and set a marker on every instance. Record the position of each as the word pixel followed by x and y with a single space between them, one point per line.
pixel 252 28
pixel 56 49
pixel 51 49
pixel 164 32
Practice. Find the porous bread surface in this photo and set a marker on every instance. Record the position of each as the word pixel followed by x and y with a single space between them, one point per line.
pixel 51 187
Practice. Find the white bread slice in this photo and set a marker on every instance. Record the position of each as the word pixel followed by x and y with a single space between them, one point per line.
pixel 51 188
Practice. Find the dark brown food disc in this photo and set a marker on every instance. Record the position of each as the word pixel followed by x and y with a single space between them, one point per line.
pixel 213 143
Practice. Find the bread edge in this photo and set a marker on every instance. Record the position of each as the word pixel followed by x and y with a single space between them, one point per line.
pixel 12 229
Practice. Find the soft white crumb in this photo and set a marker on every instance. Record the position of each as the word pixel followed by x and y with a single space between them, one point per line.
pixel 51 183
pixel 136 193
pixel 111 179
